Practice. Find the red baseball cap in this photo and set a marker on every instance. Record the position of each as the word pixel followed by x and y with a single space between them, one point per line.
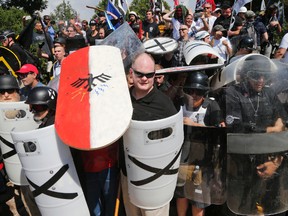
pixel 26 68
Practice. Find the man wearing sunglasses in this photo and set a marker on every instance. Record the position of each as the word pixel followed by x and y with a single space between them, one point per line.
pixel 9 89
pixel 149 104
pixel 29 76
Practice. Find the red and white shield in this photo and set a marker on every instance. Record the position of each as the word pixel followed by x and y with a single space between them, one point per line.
pixel 93 107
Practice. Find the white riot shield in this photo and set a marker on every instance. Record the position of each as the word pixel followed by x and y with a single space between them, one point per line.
pixel 50 171
pixel 152 154
pixel 206 165
pixel 231 73
pixel 14 115
pixel 195 48
pixel 250 192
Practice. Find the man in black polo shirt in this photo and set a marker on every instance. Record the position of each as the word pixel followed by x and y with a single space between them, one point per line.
pixel 148 103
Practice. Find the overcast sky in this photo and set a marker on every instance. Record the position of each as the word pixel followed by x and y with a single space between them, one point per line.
pixel 80 7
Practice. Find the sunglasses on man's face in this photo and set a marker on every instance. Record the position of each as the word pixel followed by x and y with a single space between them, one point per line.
pixel 35 108
pixel 9 91
pixel 23 76
pixel 141 75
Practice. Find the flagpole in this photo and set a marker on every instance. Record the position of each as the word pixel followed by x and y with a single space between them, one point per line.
pixel 46 38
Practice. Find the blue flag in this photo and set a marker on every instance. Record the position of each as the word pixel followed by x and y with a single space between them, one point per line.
pixel 111 8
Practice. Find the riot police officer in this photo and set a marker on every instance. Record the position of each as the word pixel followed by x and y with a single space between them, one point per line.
pixel 253 107
pixel 245 47
pixel 199 112
pixel 42 101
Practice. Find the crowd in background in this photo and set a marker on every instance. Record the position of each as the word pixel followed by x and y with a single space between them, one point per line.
pixel 230 35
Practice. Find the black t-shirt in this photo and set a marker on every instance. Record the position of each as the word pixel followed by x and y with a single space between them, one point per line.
pixel 151 28
pixel 226 21
pixel 260 29
pixel 155 105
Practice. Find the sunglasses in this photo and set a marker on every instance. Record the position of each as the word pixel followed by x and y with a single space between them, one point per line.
pixel 183 29
pixel 9 91
pixel 35 108
pixel 206 7
pixel 141 75
pixel 22 76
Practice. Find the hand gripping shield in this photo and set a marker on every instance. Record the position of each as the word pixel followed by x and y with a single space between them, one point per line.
pixel 257 173
pixel 50 171
pixel 152 153
pixel 14 115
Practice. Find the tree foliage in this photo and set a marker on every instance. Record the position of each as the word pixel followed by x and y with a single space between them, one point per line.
pixel 27 5
pixel 11 19
pixel 64 11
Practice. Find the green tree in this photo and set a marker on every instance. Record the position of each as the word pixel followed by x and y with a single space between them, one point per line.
pixel 27 5
pixel 11 19
pixel 64 11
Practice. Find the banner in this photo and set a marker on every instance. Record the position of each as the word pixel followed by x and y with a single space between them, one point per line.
pixel 263 6
pixel 238 4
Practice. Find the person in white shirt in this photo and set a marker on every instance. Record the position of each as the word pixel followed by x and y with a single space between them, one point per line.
pixel 220 43
pixel 206 21
pixel 282 53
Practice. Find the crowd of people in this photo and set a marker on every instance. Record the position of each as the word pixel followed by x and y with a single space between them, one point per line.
pixel 249 106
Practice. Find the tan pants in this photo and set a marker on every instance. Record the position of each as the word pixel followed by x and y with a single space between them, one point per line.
pixel 132 210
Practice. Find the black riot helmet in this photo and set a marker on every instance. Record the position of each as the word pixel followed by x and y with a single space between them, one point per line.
pixel 197 80
pixel 255 65
pixel 60 40
pixel 42 95
pixel 247 43
pixel 8 82
pixel 6 34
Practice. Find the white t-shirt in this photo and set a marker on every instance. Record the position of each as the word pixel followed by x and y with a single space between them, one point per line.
pixel 284 44
pixel 176 25
pixel 220 48
pixel 210 20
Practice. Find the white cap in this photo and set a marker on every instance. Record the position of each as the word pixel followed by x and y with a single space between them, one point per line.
pixel 201 35
pixel 242 10
pixel 133 13
pixel 217 9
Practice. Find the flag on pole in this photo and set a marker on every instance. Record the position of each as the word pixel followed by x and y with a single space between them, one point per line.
pixel 263 6
pixel 26 35
pixel 123 6
pixel 176 3
pixel 238 4
pixel 152 5
pixel 111 8
pixel 200 3
pixel 110 25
